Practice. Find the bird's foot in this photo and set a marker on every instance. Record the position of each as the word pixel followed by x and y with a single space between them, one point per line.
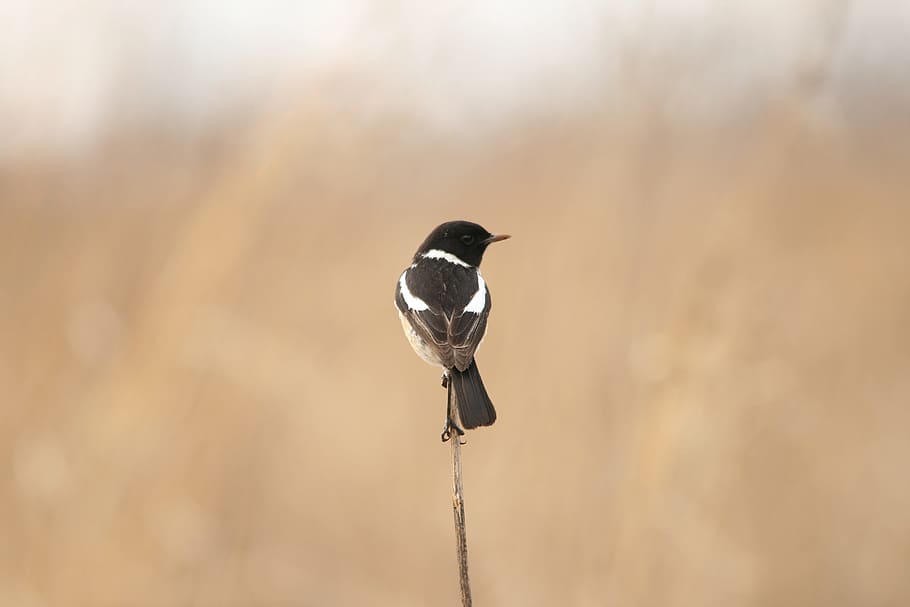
pixel 447 430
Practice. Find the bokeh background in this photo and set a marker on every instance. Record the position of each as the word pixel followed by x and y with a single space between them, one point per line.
pixel 698 349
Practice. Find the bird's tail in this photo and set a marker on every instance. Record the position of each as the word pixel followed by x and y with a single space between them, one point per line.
pixel 474 405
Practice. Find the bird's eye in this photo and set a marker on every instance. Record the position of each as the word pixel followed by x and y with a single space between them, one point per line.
pixel 467 239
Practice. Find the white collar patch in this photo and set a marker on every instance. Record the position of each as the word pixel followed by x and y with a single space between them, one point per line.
pixel 437 254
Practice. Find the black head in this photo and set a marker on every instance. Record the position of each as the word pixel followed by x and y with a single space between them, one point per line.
pixel 463 239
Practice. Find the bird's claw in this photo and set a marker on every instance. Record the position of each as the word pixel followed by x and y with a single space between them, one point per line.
pixel 447 430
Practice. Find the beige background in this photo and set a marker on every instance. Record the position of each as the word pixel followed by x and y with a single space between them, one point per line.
pixel 698 351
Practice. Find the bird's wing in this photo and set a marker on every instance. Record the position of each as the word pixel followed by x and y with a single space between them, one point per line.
pixel 466 331
pixel 430 324
pixel 454 334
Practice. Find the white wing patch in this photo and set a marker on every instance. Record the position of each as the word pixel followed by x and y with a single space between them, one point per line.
pixel 437 254
pixel 479 301
pixel 414 302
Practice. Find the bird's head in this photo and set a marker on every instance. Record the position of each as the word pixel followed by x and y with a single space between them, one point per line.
pixel 465 240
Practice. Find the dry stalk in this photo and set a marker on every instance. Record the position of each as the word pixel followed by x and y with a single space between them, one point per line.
pixel 461 535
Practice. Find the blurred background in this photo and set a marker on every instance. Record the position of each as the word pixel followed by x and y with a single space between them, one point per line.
pixel 698 349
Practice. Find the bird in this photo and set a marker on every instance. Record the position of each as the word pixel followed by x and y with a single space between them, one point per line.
pixel 443 303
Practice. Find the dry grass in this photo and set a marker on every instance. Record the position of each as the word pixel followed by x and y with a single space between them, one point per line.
pixel 698 351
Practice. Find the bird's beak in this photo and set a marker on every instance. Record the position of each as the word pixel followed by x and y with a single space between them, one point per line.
pixel 496 238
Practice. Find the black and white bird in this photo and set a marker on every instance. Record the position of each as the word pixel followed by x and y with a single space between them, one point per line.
pixel 443 303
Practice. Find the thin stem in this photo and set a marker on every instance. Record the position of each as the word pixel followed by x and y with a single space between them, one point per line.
pixel 458 507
